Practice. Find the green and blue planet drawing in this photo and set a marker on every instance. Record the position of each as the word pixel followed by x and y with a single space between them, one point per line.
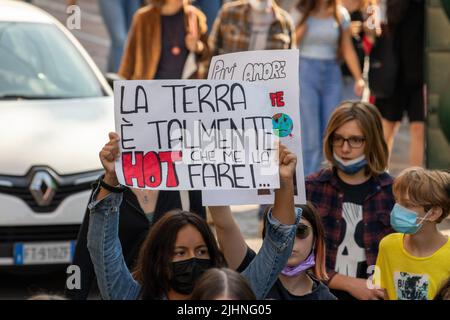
pixel 282 125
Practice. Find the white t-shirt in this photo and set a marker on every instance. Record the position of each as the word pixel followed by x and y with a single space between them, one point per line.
pixel 320 40
pixel 261 22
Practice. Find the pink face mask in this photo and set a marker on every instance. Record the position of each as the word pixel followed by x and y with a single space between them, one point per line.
pixel 304 265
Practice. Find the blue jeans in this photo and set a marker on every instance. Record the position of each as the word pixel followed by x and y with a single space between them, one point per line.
pixel 210 8
pixel 320 93
pixel 117 15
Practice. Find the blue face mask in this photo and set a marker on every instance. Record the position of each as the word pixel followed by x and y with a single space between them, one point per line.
pixel 404 220
pixel 352 166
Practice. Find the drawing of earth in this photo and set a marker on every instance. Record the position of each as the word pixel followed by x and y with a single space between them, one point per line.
pixel 282 124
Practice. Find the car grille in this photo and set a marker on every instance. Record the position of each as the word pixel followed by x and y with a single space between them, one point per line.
pixel 60 195
pixel 64 186
pixel 39 233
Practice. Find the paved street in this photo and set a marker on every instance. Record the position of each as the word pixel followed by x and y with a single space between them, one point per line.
pixel 94 38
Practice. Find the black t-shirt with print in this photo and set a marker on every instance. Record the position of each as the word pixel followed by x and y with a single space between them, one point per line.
pixel 355 193
pixel 351 256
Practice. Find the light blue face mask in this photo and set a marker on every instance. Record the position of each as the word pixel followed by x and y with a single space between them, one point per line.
pixel 404 220
pixel 352 166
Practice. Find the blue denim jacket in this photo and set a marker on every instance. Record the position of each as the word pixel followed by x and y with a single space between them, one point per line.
pixel 116 282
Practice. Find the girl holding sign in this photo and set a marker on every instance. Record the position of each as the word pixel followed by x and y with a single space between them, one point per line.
pixel 180 246
pixel 140 210
pixel 167 40
pixel 354 197
pixel 159 42
pixel 302 276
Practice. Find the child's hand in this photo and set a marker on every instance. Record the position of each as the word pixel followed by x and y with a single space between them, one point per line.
pixel 284 209
pixel 358 289
pixel 287 163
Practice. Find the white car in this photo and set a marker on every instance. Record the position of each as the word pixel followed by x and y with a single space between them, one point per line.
pixel 56 110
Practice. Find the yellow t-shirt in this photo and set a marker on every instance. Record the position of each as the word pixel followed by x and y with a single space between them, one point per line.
pixel 406 277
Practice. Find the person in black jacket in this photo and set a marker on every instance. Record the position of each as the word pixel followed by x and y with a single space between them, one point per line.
pixel 406 25
pixel 140 209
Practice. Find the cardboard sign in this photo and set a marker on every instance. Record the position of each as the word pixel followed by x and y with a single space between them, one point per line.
pixel 279 70
pixel 195 135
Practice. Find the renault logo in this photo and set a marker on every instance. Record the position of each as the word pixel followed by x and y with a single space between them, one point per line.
pixel 43 188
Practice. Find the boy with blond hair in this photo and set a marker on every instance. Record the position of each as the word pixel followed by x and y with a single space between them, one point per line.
pixel 414 263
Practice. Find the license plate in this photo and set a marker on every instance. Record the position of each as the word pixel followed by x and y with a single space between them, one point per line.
pixel 44 252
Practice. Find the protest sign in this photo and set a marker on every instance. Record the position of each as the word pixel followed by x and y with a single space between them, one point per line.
pixel 279 70
pixel 195 135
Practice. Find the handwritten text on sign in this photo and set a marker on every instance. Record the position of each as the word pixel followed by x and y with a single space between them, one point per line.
pixel 279 70
pixel 184 134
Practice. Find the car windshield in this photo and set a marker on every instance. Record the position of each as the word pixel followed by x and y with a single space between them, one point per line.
pixel 38 61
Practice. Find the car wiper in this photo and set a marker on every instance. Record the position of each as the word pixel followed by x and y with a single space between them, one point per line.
pixel 28 97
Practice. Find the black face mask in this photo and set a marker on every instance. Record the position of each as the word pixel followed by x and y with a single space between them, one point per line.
pixel 185 273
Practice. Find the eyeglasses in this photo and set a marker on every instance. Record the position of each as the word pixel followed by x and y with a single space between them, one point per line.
pixel 303 231
pixel 353 141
